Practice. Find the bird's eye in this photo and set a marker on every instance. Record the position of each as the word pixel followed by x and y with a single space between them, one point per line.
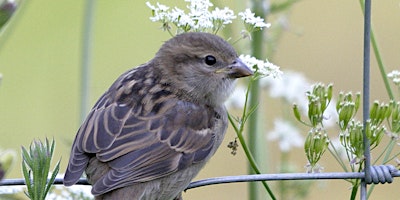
pixel 210 60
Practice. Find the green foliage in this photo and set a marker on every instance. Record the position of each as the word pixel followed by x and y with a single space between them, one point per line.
pixel 317 140
pixel 36 167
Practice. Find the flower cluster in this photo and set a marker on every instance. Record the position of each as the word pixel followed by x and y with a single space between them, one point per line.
pixel 316 143
pixel 395 76
pixel 317 140
pixel 199 18
pixel 286 134
pixel 260 67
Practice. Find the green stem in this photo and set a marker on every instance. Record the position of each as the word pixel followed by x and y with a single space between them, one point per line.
pixel 391 158
pixel 249 156
pixel 379 59
pixel 387 151
pixel 86 58
pixel 354 190
pixel 256 147
pixel 335 154
pixel 239 133
pixel 356 184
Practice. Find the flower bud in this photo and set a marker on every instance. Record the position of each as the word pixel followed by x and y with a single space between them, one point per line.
pixel 315 145
pixel 296 112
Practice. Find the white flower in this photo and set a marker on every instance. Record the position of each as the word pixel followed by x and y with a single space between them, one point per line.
pixel 270 69
pixel 264 68
pixel 237 99
pixel 286 134
pixel 160 13
pixel 12 189
pixel 180 18
pixel 70 193
pixel 250 61
pixel 249 18
pixel 225 15
pixel 199 14
pixel 336 146
pixel 395 76
pixel 292 87
pixel 199 5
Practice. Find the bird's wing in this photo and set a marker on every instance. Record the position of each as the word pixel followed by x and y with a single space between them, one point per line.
pixel 142 137
pixel 156 145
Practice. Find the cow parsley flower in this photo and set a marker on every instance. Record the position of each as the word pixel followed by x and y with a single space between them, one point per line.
pixel 260 67
pixel 395 77
pixel 201 18
pixel 249 18
pixel 287 135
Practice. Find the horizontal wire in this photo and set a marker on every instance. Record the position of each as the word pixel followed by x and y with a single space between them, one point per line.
pixel 237 179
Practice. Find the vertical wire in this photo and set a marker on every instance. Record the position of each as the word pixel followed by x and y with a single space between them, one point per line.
pixel 86 58
pixel 366 96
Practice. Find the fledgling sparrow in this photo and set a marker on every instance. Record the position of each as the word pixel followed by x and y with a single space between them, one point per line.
pixel 158 124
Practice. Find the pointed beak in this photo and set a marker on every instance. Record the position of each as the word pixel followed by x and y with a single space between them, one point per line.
pixel 238 69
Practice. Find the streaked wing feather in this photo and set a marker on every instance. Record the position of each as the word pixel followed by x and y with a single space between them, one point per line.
pixel 142 132
pixel 157 145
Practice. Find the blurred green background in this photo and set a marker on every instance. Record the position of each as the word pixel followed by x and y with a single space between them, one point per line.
pixel 40 59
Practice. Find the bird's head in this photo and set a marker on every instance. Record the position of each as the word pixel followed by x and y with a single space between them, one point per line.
pixel 201 65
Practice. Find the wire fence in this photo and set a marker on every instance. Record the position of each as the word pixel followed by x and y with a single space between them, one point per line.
pixel 371 175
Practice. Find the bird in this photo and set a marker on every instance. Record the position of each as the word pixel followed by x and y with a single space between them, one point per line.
pixel 159 123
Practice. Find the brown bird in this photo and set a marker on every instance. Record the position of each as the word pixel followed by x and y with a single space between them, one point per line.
pixel 158 124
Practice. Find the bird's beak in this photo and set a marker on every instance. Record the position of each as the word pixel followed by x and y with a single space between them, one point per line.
pixel 238 69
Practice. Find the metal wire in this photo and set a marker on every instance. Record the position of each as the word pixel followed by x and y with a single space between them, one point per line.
pixel 366 90
pixel 381 174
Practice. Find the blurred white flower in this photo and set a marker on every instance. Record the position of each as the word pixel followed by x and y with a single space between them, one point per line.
pixel 336 146
pixel 292 87
pixel 286 134
pixel 70 193
pixel 82 192
pixel 237 99
pixel 249 18
pixel 395 76
pixel 12 189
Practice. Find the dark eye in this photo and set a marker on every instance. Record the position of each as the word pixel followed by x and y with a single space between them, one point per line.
pixel 210 60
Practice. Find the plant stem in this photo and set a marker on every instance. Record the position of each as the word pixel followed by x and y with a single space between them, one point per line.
pixel 256 147
pixel 379 59
pixel 239 132
pixel 86 58
pixel 249 156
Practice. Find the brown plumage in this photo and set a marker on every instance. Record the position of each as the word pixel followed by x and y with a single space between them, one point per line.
pixel 158 124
